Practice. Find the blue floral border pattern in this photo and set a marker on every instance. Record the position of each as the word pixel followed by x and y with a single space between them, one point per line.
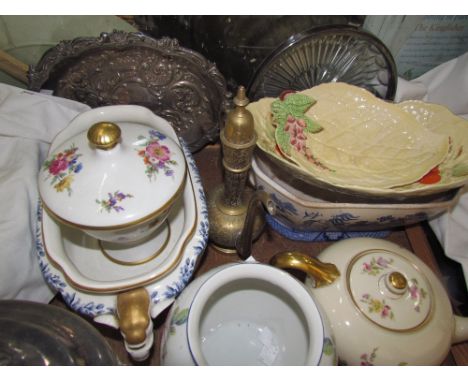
pixel 56 282
pixel 345 221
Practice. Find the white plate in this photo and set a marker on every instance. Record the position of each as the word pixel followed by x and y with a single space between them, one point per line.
pixel 80 258
pixel 102 306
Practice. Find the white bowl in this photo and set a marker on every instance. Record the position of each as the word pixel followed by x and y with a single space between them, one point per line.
pixel 298 212
pixel 246 314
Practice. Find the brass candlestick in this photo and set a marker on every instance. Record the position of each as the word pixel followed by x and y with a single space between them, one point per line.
pixel 227 203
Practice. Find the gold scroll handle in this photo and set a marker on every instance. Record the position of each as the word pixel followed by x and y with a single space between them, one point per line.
pixel 322 273
pixel 133 313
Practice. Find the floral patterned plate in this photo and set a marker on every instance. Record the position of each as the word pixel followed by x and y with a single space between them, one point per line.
pixel 102 306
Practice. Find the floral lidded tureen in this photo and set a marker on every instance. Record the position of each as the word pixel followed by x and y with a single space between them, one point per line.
pixel 115 182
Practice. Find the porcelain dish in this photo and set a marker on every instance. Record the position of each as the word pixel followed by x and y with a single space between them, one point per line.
pixel 342 138
pixel 299 212
pixel 439 119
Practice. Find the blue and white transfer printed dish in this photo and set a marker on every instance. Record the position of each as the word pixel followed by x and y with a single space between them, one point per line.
pixel 314 236
pixel 301 216
pixel 75 266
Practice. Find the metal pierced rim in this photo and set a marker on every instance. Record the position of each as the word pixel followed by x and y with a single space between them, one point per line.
pixel 345 30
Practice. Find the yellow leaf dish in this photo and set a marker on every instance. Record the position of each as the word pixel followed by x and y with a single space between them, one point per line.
pixel 367 145
pixel 453 170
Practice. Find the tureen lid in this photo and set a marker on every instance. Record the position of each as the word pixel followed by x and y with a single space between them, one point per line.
pixel 389 290
pixel 112 175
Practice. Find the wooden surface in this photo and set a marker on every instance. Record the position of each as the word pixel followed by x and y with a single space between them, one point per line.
pixel 269 243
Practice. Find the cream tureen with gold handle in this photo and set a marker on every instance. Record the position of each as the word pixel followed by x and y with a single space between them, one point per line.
pixel 386 307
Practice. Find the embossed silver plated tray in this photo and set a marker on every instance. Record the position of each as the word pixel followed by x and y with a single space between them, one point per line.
pixel 327 54
pixel 118 68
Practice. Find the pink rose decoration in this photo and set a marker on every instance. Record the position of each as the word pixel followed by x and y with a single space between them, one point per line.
pixel 156 151
pixel 156 157
pixel 414 292
pixel 58 165
pixel 386 311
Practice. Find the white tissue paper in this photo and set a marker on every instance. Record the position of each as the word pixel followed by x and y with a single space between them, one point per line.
pixel 28 123
pixel 446 84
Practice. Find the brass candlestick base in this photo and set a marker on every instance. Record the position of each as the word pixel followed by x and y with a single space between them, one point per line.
pixel 226 222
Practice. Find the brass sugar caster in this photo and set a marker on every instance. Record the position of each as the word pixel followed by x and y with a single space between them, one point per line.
pixel 228 202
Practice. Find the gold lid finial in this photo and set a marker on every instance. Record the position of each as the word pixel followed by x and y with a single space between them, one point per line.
pixel 104 135
pixel 397 280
